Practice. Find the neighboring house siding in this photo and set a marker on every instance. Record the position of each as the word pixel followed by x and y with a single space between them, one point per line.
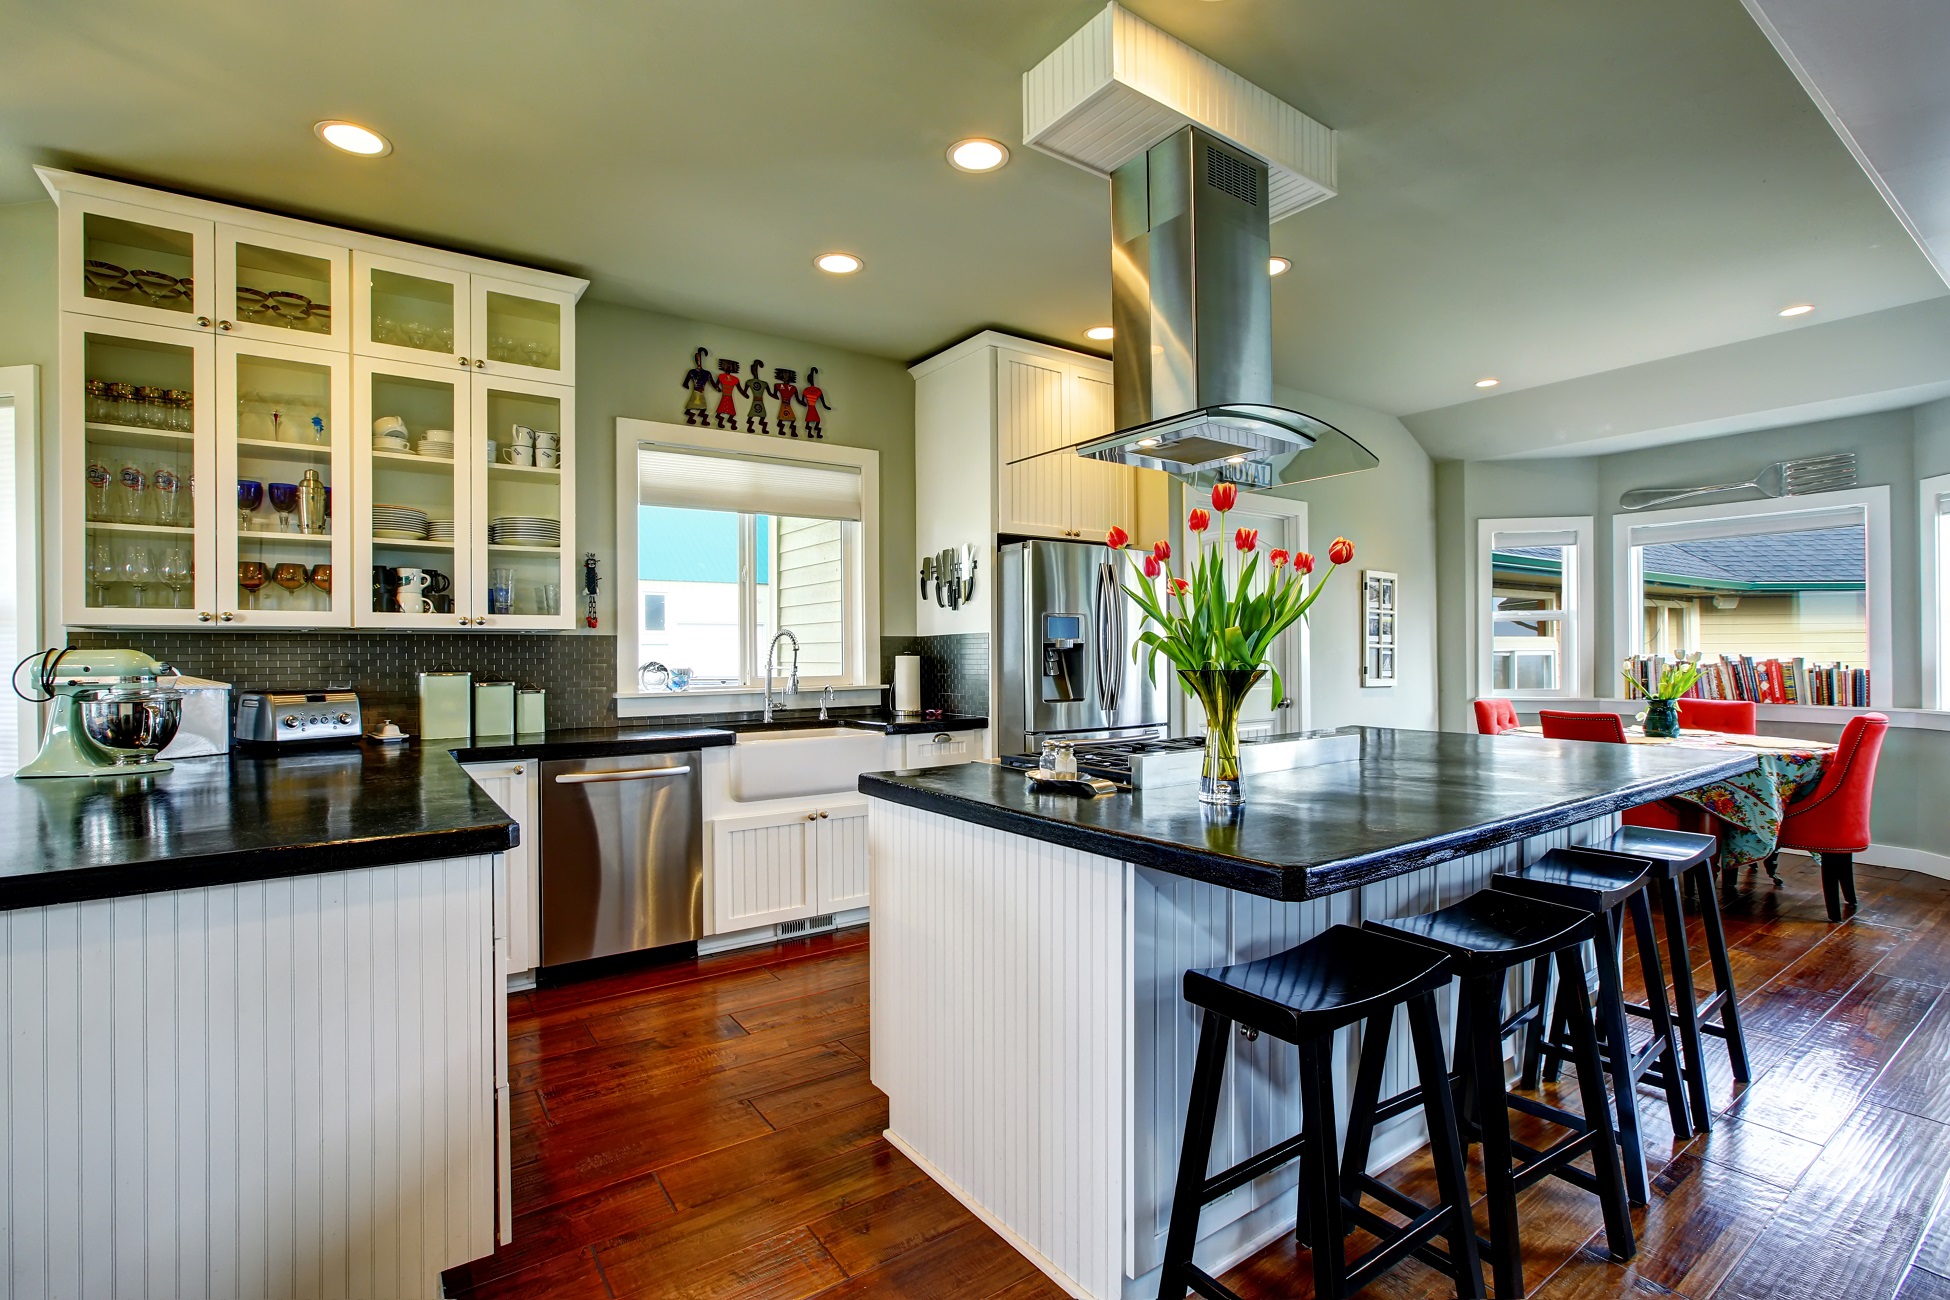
pixel 1820 626
pixel 811 592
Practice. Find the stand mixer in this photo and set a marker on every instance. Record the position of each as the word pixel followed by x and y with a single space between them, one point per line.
pixel 110 717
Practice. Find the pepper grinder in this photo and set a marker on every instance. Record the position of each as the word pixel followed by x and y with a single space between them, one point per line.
pixel 311 502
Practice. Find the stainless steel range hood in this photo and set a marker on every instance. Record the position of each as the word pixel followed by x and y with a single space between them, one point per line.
pixel 1192 307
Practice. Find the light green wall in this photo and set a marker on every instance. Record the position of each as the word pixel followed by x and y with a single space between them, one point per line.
pixel 632 363
pixel 28 329
pixel 1389 514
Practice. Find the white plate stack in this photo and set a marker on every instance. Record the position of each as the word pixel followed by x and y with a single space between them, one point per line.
pixel 524 530
pixel 402 523
pixel 440 530
pixel 437 443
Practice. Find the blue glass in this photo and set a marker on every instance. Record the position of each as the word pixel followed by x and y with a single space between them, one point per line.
pixel 250 495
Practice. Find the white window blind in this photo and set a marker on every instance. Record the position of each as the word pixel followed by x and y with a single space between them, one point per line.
pixel 668 476
pixel 1758 525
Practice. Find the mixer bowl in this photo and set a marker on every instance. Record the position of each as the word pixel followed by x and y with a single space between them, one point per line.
pixel 131 726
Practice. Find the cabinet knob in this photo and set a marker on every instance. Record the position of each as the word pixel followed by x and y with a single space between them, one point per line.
pixel 520 770
pixel 223 325
pixel 479 364
pixel 464 622
pixel 822 816
pixel 226 617
pixel 206 617
pixel 812 817
pixel 462 360
pixel 203 322
pixel 481 621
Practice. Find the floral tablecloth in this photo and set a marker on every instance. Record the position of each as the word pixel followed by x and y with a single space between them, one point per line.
pixel 1752 804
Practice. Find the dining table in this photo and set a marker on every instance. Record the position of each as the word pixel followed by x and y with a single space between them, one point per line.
pixel 1750 806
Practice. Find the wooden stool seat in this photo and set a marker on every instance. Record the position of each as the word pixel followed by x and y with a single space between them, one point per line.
pixel 1341 977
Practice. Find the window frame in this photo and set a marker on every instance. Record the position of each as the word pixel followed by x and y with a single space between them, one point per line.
pixel 1933 519
pixel 1879 596
pixel 1574 617
pixel 34 499
pixel 861 604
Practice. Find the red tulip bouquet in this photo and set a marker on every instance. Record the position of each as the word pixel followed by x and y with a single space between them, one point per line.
pixel 1218 633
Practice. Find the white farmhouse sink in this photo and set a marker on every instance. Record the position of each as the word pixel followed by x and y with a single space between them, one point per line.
pixel 785 764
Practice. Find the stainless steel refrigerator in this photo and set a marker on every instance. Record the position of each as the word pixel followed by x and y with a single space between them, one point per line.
pixel 1064 629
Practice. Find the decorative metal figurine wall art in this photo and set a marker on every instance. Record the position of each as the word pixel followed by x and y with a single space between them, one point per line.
pixel 1379 591
pixel 756 388
pixel 785 386
pixel 814 397
pixel 591 579
pixel 727 412
pixel 698 380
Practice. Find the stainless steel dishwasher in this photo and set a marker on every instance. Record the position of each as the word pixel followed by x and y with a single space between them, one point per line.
pixel 622 855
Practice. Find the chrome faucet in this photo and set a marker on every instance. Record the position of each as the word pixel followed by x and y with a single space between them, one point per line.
pixel 792 687
pixel 825 698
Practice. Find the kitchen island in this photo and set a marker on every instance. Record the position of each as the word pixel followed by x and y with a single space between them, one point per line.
pixel 1028 951
pixel 255 1028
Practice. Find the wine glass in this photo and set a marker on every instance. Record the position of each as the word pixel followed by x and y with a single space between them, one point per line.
pixel 284 500
pixel 250 495
pixel 102 569
pixel 321 578
pixel 251 576
pixel 138 570
pixel 176 573
pixel 291 577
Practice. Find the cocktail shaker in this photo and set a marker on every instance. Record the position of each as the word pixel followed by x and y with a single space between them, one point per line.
pixel 311 503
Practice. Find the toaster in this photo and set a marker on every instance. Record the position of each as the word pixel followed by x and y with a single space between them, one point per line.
pixel 281 719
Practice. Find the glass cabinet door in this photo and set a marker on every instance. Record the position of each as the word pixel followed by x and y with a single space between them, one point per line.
pixel 414 478
pixel 409 312
pixel 138 465
pixel 135 264
pixel 524 505
pixel 522 331
pixel 282 450
pixel 281 289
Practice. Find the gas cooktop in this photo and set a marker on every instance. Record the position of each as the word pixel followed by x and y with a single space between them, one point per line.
pixel 1111 759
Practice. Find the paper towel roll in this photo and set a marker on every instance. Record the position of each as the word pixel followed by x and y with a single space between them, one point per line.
pixel 907 683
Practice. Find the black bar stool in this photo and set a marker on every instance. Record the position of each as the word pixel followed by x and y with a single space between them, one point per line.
pixel 1678 857
pixel 1605 885
pixel 1486 936
pixel 1302 996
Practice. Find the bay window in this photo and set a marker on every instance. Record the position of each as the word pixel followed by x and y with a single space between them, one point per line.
pixel 1533 585
pixel 728 538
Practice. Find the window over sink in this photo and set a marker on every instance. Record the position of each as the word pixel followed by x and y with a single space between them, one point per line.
pixel 729 537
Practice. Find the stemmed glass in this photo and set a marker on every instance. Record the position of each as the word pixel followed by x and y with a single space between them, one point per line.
pixel 138 570
pixel 251 576
pixel 102 570
pixel 291 577
pixel 176 573
pixel 284 500
pixel 250 495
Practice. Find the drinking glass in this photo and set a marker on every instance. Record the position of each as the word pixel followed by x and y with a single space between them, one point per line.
pixel 549 596
pixel 98 407
pixel 132 492
pixel 284 500
pixel 250 495
pixel 121 404
pixel 102 570
pixel 291 577
pixel 252 575
pixel 176 573
pixel 168 491
pixel 501 591
pixel 321 578
pixel 98 485
pixel 182 410
pixel 138 570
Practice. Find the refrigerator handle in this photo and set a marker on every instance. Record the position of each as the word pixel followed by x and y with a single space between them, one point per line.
pixel 1110 635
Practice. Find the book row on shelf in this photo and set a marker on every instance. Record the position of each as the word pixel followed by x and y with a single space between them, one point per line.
pixel 1763 681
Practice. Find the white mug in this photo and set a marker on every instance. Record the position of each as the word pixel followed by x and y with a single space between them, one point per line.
pixel 414 579
pixel 547 457
pixel 519 455
pixel 524 436
pixel 550 440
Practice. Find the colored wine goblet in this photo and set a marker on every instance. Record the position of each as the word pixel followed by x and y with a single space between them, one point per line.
pixel 284 500
pixel 250 495
pixel 291 577
pixel 251 576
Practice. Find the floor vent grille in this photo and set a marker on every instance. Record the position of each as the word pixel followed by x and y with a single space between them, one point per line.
pixel 805 925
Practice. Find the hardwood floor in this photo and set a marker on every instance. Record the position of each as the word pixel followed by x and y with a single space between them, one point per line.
pixel 707 1129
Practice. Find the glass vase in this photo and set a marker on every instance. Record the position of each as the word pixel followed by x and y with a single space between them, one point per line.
pixel 1221 691
pixel 1662 719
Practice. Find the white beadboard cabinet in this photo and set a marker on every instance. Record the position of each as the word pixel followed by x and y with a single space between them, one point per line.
pixel 1036 1052
pixel 785 865
pixel 515 786
pixel 282 1088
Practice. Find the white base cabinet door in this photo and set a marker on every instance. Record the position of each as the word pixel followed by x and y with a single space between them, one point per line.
pixel 769 867
pixel 513 786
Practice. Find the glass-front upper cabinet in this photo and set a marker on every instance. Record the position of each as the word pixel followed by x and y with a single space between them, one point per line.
pixel 524 505
pixel 410 312
pixel 136 264
pixel 284 554
pixel 414 474
pixel 522 331
pixel 282 289
pixel 138 462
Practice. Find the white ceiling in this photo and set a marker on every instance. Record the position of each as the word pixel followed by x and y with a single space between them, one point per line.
pixel 1538 192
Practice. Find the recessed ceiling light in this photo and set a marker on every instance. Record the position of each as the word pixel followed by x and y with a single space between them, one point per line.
pixel 1278 266
pixel 1147 442
pixel 1799 309
pixel 1235 460
pixel 838 263
pixel 1099 332
pixel 353 138
pixel 1488 383
pixel 976 155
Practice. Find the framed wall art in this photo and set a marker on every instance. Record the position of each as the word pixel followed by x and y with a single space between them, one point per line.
pixel 1378 598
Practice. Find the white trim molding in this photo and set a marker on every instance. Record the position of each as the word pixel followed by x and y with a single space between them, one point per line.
pixel 1933 528
pixel 34 581
pixel 630 434
pixel 1578 624
pixel 1818 510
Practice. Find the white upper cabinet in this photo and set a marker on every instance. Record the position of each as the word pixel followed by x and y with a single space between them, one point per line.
pixel 132 263
pixel 521 331
pixel 409 311
pixel 279 288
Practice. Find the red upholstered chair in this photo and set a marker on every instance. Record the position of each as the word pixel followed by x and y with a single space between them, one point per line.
pixel 1737 717
pixel 1834 820
pixel 1494 717
pixel 1559 725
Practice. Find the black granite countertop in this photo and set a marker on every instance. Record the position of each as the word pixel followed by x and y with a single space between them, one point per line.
pixel 1415 798
pixel 236 817
pixel 647 737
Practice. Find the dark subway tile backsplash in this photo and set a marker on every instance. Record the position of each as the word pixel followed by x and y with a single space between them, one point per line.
pixel 954 670
pixel 578 672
